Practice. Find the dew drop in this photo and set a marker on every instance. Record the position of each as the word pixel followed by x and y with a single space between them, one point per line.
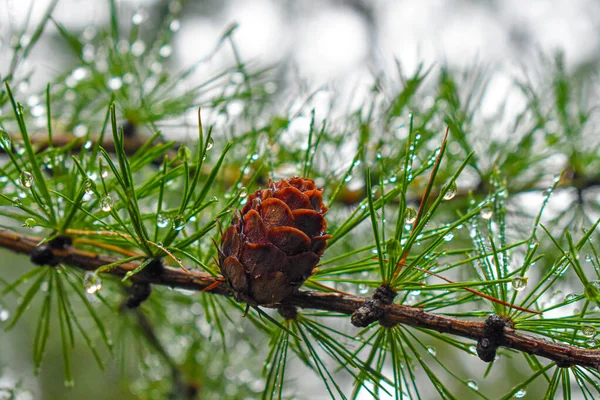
pixel 519 283
pixel 451 193
pixel 432 351
pixel 115 83
pixel 487 212
pixel 210 143
pixel 69 383
pixel 410 215
pixel 393 247
pixel 449 236
pixel 88 186
pixel 178 222
pixel 4 315
pixel 588 331
pixel 4 140
pixel 138 18
pixel 26 179
pixel 570 297
pixel 30 223
pixel 165 51
pixel 162 220
pixel 175 25
pixel 104 173
pixel 472 384
pixel 243 193
pixel 348 178
pixel 88 145
pixel 17 202
pixel 520 393
pixel 106 203
pixel 91 282
pixel 362 288
pixel 213 199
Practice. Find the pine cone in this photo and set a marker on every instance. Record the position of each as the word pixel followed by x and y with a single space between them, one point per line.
pixel 275 244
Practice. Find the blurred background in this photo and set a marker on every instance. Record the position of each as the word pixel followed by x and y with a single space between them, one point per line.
pixel 335 44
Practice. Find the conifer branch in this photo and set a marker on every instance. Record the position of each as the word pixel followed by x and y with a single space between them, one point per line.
pixel 564 355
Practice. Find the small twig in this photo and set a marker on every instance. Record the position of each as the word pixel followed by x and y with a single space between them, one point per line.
pixel 563 354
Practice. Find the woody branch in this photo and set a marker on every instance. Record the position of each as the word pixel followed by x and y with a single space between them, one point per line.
pixel 564 355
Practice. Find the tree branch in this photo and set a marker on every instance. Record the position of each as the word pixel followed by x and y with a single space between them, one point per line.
pixel 564 355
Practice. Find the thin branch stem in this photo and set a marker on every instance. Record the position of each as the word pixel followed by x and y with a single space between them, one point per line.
pixel 563 354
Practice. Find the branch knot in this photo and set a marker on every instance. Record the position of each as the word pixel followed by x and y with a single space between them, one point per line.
pixel 373 309
pixel 493 336
pixel 45 254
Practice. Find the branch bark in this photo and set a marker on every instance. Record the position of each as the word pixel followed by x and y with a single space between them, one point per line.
pixel 564 355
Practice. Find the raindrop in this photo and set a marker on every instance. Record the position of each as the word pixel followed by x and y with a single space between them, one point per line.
pixel 138 47
pixel 588 331
pixel 162 220
pixel 138 18
pixel 570 297
pixel 26 179
pixel 487 212
pixel 393 247
pixel 17 202
pixel 4 314
pixel 80 130
pixel 410 215
pixel 165 51
pixel 87 145
pixel 448 236
pixel 519 283
pixel 178 222
pixel 69 383
pixel 243 193
pixel 520 393
pixel 591 343
pixel 348 178
pixel 91 282
pixel 213 199
pixel 115 83
pixel 4 140
pixel 104 173
pixel 255 156
pixel 432 351
pixel 175 25
pixel 362 288
pixel 449 195
pixel 472 384
pixel 88 186
pixel 210 143
pixel 29 223
pixel 106 203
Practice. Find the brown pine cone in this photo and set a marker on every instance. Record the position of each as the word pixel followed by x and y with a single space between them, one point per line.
pixel 275 244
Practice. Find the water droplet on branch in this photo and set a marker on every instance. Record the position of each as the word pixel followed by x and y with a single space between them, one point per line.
pixel 26 179
pixel 91 282
pixel 451 193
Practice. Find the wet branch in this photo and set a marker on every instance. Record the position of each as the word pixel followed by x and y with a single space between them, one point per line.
pixel 563 354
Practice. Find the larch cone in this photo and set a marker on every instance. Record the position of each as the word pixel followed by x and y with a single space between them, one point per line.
pixel 273 246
